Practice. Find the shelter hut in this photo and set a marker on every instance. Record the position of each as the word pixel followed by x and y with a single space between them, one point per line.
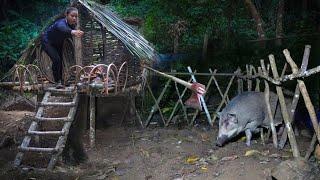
pixel 107 40
pixel 109 46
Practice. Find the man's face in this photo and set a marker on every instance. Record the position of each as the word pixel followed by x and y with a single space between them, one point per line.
pixel 72 17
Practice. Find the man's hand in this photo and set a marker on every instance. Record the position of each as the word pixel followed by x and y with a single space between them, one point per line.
pixel 77 33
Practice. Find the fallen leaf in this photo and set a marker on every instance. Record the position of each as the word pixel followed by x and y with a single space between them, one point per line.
pixel 275 155
pixel 204 169
pixel 144 153
pixel 192 159
pixel 229 158
pixel 213 157
pixel 243 138
pixel 204 137
pixel 252 152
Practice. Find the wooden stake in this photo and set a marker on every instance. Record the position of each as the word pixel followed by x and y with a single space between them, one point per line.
pixel 92 133
pixel 177 103
pixel 78 46
pixel 249 81
pixel 284 110
pixel 257 88
pixel 305 95
pixel 240 83
pixel 311 147
pixel 207 88
pixel 226 101
pixel 204 105
pixel 224 97
pixel 267 99
pixel 181 102
pixel 295 100
pixel 156 107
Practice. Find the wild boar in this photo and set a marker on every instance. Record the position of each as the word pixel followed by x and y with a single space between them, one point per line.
pixel 246 112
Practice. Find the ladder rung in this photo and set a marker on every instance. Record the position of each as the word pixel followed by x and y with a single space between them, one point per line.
pixel 53 119
pixel 65 91
pixel 64 104
pixel 29 168
pixel 37 149
pixel 59 133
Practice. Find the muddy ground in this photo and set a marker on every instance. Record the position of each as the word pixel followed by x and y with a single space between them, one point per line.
pixel 129 152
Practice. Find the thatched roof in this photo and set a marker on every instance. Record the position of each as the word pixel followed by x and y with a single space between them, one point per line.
pixel 134 41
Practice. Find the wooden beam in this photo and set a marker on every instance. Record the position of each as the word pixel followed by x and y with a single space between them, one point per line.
pixel 78 45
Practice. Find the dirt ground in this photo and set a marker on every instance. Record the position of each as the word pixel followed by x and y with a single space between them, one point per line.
pixel 128 152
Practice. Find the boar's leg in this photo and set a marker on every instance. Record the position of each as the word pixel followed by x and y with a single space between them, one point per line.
pixel 248 135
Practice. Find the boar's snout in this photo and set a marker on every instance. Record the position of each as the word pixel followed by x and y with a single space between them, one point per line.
pixel 221 140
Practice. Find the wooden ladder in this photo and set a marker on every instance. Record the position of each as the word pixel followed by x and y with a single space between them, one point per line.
pixel 33 131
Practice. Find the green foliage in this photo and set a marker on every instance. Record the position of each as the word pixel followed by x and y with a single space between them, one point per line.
pixel 21 26
pixel 229 24
pixel 14 36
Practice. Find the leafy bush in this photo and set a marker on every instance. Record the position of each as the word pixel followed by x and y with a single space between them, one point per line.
pixel 14 36
pixel 19 28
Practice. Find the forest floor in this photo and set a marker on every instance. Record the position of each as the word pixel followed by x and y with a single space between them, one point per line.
pixel 128 152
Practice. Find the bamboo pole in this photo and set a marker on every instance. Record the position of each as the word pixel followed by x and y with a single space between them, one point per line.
pixel 180 81
pixel 294 104
pixel 267 99
pixel 249 81
pixel 277 99
pixel 202 74
pixel 180 101
pixel 155 107
pixel 286 77
pixel 257 88
pixel 197 110
pixel 156 101
pixel 177 103
pixel 305 95
pixel 133 106
pixel 78 46
pixel 311 147
pixel 204 105
pixel 295 100
pixel 284 110
pixel 224 97
pixel 104 43
pixel 92 133
pixel 240 83
pixel 226 101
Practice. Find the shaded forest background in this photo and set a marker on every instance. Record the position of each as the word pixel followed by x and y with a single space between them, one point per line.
pixel 223 34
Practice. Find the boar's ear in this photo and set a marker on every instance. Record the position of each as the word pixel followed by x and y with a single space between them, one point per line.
pixel 232 118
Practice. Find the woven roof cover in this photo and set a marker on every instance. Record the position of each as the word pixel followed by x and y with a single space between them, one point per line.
pixel 131 38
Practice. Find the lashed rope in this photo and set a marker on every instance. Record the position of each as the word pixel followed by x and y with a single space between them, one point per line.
pixel 131 38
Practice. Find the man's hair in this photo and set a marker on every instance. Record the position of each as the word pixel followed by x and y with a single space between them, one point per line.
pixel 70 9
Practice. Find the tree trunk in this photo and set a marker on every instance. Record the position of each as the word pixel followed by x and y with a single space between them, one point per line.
pixel 279 27
pixel 205 44
pixel 257 18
